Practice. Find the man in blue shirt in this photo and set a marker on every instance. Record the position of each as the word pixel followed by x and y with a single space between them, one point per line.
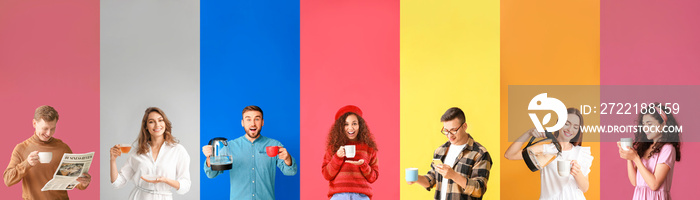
pixel 253 172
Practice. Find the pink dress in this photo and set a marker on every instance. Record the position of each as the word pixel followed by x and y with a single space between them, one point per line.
pixel 642 191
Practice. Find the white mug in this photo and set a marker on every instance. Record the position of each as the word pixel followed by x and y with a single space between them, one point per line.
pixel 45 157
pixel 350 151
pixel 626 143
pixel 564 167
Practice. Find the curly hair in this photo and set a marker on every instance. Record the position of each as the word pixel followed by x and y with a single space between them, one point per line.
pixel 145 136
pixel 337 137
pixel 642 143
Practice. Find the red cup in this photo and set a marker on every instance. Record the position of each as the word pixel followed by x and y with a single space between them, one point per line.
pixel 272 151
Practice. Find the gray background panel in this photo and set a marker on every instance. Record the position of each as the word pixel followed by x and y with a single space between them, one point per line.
pixel 149 56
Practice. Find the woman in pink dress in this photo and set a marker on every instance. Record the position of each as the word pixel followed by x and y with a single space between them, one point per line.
pixel 656 149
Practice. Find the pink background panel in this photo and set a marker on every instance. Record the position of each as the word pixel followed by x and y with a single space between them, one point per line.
pixel 349 55
pixel 650 43
pixel 615 184
pixel 49 55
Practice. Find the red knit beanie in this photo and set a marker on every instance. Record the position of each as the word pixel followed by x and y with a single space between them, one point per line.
pixel 348 108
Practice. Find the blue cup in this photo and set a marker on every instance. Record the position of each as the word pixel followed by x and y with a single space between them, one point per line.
pixel 411 174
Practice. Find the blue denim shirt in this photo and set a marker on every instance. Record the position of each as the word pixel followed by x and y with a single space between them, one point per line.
pixel 253 172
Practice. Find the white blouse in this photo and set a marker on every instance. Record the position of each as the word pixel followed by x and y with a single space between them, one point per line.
pixel 172 162
pixel 555 187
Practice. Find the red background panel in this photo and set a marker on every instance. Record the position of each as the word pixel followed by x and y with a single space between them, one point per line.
pixel 349 55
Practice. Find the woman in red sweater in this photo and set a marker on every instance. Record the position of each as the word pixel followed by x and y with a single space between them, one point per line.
pixel 349 175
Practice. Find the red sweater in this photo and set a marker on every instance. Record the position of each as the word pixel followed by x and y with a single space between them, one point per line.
pixel 346 177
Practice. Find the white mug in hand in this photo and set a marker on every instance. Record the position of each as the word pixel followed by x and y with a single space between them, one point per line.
pixel 350 151
pixel 45 157
pixel 564 167
pixel 626 143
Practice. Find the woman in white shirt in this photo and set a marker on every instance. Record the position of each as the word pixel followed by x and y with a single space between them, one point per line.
pixel 159 165
pixel 553 185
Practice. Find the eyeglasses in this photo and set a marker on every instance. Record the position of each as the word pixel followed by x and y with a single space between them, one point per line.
pixel 453 132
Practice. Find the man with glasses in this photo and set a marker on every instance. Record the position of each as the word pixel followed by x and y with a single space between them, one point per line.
pixel 463 167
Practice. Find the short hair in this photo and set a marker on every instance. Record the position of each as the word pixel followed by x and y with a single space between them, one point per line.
pixel 45 112
pixel 453 113
pixel 252 108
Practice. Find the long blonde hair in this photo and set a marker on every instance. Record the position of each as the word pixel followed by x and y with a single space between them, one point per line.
pixel 145 137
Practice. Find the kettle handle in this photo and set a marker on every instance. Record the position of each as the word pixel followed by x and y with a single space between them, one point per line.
pixel 216 143
pixel 548 136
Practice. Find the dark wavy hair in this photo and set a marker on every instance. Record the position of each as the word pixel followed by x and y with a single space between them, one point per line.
pixel 145 137
pixel 642 143
pixel 578 139
pixel 337 137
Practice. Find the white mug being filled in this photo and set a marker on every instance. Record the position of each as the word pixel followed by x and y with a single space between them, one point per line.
pixel 564 167
pixel 350 151
pixel 45 157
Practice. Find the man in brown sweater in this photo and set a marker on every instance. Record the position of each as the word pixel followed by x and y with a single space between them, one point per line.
pixel 25 166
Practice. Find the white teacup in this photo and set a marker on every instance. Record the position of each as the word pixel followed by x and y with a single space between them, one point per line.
pixel 45 157
pixel 626 143
pixel 350 151
pixel 564 167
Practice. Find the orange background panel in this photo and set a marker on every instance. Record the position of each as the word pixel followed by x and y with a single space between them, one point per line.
pixel 546 42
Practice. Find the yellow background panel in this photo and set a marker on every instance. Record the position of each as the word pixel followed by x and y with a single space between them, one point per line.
pixel 449 57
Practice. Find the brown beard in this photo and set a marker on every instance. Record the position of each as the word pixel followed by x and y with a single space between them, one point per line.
pixel 247 132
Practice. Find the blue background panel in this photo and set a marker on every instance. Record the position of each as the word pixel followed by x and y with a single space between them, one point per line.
pixel 250 56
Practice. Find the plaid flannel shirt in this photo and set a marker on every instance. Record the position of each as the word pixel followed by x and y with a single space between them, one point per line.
pixel 473 163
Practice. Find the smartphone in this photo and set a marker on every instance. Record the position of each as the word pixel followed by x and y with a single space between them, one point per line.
pixel 437 161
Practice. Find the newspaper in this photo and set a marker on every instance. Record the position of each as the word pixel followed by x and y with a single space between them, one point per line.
pixel 71 167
